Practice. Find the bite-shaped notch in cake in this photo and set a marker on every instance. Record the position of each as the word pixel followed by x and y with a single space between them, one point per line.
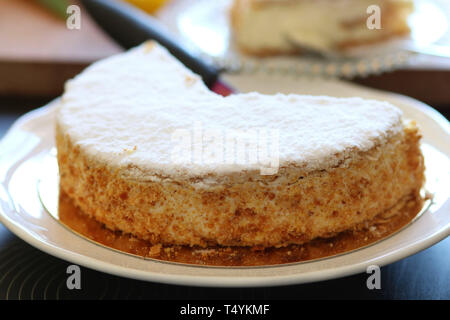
pixel 341 163
pixel 268 27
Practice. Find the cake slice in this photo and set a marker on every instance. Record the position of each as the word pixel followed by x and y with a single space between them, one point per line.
pixel 145 148
pixel 268 27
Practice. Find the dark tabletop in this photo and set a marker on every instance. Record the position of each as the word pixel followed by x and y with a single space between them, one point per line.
pixel 27 273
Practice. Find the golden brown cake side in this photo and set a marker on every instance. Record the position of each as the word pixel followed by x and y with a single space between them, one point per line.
pixel 254 213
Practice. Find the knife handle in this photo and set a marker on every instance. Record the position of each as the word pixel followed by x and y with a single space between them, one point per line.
pixel 130 27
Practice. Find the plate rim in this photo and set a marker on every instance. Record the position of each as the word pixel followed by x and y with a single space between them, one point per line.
pixel 216 281
pixel 392 55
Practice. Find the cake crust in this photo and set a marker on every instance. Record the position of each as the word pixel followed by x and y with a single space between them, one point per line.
pixel 319 204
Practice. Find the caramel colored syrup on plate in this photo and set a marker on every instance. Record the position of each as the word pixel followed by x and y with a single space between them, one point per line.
pixel 75 219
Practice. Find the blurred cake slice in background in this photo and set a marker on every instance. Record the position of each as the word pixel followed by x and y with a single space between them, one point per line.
pixel 271 27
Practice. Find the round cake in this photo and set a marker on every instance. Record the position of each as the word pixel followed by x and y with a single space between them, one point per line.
pixel 145 148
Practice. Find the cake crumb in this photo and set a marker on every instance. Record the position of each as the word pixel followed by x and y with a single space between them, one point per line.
pixel 190 81
pixel 155 251
pixel 130 151
pixel 149 45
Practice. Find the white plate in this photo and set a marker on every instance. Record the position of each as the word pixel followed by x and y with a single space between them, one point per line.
pixel 24 158
pixel 204 25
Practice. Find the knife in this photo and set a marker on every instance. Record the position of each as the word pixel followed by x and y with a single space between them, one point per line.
pixel 130 27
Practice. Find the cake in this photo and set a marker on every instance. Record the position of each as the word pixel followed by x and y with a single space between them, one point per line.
pixel 268 27
pixel 143 147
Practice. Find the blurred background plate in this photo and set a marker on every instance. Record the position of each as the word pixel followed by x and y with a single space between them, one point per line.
pixel 205 25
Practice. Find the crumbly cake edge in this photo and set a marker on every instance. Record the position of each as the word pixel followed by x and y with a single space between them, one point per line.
pixel 117 208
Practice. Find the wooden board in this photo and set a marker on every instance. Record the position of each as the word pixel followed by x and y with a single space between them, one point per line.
pixel 425 78
pixel 38 54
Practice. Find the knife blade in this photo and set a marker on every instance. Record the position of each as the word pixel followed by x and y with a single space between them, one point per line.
pixel 130 26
